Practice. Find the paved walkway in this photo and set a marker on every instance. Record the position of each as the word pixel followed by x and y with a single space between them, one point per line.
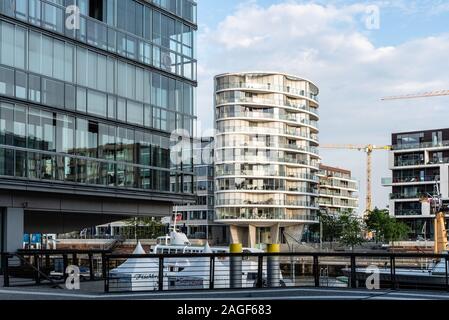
pixel 246 294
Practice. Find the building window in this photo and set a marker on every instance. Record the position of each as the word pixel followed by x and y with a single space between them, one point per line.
pixel 53 93
pixel 6 81
pixel 96 9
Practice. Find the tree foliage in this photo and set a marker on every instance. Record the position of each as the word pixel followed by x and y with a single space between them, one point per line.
pixel 345 228
pixel 143 228
pixel 331 226
pixel 351 230
pixel 384 227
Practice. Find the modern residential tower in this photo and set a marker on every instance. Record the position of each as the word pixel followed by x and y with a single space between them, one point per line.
pixel 266 155
pixel 86 111
pixel 419 162
pixel 338 190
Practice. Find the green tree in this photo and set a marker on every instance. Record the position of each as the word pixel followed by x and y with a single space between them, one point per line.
pixel 331 226
pixel 143 228
pixel 384 227
pixel 395 230
pixel 376 221
pixel 351 230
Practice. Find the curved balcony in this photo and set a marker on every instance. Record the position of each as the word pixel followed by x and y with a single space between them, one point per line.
pixel 252 173
pixel 285 216
pixel 225 130
pixel 269 160
pixel 266 203
pixel 274 146
pixel 268 88
pixel 291 118
pixel 268 102
pixel 252 188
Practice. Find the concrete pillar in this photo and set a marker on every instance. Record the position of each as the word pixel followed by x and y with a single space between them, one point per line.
pixel 251 236
pixel 235 234
pixel 275 233
pixel 12 229
pixel 273 268
pixel 236 265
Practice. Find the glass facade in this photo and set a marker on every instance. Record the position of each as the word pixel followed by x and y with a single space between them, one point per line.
pixel 266 148
pixel 95 106
pixel 419 164
pixel 143 32
pixel 198 217
pixel 63 75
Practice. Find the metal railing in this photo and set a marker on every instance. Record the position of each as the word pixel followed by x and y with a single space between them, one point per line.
pixel 274 270
pixel 421 145
pixel 48 267
pixel 222 270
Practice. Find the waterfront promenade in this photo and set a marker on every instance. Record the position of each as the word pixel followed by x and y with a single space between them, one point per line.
pixel 305 294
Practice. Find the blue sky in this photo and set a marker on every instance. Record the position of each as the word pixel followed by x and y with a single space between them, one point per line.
pixel 328 42
pixel 419 20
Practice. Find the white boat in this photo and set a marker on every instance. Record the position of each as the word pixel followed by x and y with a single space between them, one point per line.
pixel 177 242
pixel 142 274
pixel 136 274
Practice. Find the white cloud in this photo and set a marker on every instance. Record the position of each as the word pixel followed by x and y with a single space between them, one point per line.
pixel 327 44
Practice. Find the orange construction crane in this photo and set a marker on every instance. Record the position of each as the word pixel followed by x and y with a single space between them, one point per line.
pixel 429 94
pixel 368 149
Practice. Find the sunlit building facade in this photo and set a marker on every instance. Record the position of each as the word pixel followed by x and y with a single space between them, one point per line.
pixel 419 162
pixel 338 191
pixel 266 155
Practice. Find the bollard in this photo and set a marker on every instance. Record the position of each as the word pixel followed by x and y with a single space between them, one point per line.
pixel 273 269
pixel 235 266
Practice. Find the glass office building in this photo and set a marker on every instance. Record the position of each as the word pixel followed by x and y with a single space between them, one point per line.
pixel 88 108
pixel 197 218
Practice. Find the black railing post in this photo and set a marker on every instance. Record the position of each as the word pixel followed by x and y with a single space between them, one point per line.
pixel 47 262
pixel 105 267
pixel 212 273
pixel 445 267
pixel 75 259
pixel 104 260
pixel 91 267
pixel 259 272
pixel 161 274
pixel 353 272
pixel 393 272
pixel 37 266
pixel 65 264
pixel 5 267
pixel 316 270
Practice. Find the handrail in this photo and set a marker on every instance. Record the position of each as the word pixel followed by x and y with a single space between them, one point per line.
pixel 283 254
pixel 42 274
